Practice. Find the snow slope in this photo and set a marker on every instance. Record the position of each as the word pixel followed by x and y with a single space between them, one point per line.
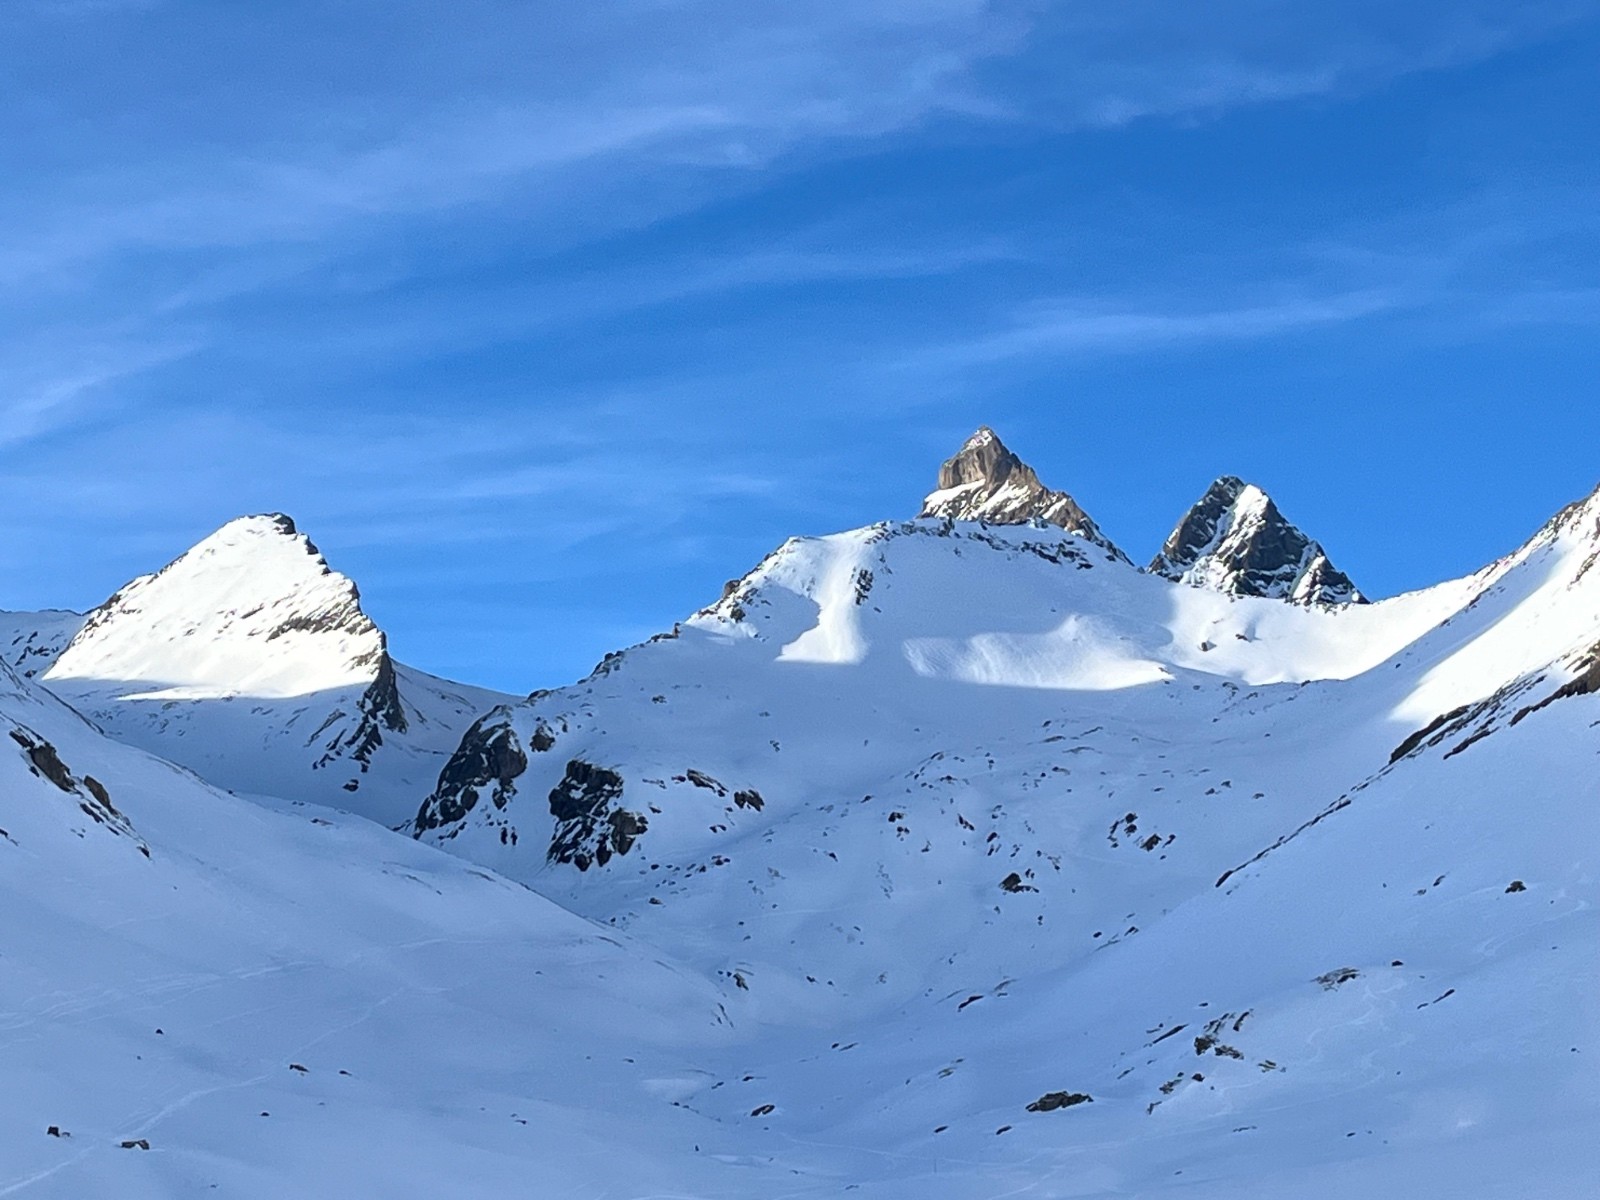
pixel 303 1004
pixel 937 859
pixel 977 818
pixel 251 661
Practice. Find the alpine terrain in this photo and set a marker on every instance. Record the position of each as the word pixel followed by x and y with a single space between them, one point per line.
pixel 951 857
pixel 250 660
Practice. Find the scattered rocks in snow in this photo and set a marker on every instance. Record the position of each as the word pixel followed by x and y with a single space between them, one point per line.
pixel 1335 978
pixel 94 801
pixel 701 780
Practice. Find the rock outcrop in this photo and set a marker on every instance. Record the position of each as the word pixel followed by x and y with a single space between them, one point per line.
pixel 987 482
pixel 1235 540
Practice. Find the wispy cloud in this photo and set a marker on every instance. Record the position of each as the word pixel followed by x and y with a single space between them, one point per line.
pixel 41 397
pixel 528 290
pixel 1060 328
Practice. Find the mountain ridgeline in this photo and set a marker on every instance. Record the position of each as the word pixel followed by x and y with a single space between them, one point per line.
pixel 945 857
pixel 1234 539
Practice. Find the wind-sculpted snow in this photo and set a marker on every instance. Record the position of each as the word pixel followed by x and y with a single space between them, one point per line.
pixel 250 660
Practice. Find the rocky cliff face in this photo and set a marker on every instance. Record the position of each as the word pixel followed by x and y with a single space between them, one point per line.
pixel 1237 541
pixel 985 481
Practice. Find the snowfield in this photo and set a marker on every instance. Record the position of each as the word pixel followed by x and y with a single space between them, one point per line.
pixel 936 859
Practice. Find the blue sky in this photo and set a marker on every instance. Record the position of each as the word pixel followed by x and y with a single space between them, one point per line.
pixel 544 319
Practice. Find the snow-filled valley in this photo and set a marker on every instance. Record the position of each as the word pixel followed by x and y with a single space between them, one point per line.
pixel 941 858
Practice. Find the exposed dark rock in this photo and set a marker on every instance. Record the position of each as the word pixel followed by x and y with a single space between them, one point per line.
pixel 1235 540
pixel 94 801
pixel 380 710
pixel 1416 739
pixel 986 482
pixel 1516 885
pixel 490 757
pixel 749 799
pixel 45 760
pixel 701 780
pixel 1585 683
pixel 1051 1101
pixel 1336 977
pixel 590 825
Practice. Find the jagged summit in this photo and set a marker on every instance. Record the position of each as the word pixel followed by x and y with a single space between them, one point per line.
pixel 1237 541
pixel 987 482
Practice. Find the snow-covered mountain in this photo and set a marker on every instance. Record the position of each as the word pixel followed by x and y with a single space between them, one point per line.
pixel 249 660
pixel 1039 873
pixel 984 481
pixel 942 858
pixel 1235 540
pixel 31 641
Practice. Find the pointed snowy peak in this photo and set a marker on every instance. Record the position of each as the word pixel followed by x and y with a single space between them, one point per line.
pixel 250 660
pixel 254 609
pixel 987 482
pixel 1235 540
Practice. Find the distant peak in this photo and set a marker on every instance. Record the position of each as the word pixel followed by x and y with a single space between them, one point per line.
pixel 1236 540
pixel 985 481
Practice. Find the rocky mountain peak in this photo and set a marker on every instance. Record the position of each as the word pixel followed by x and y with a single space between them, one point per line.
pixel 1236 540
pixel 985 481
